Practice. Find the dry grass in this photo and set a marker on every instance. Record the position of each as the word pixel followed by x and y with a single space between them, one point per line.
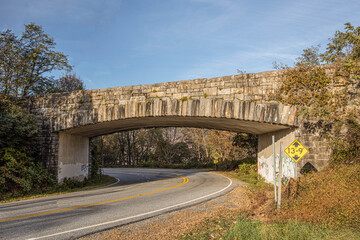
pixel 330 197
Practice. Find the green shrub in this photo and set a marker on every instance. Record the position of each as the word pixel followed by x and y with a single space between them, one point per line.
pixel 19 175
pixel 346 149
pixel 247 169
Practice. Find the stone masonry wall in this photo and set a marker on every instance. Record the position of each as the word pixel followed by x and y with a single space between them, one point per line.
pixel 229 96
pixel 105 103
pixel 244 97
pixel 247 87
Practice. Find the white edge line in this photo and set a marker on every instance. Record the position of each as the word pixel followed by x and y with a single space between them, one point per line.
pixel 118 180
pixel 136 216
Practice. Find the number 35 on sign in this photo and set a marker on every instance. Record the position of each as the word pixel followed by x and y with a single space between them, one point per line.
pixel 296 151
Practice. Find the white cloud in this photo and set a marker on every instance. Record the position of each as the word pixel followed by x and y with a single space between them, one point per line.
pixel 251 61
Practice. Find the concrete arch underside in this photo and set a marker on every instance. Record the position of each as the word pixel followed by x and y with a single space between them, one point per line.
pixel 227 124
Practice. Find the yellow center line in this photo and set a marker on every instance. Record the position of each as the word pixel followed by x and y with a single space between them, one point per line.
pixel 185 180
pixel 151 174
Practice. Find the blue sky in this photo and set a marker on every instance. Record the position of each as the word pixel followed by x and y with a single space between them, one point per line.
pixel 129 42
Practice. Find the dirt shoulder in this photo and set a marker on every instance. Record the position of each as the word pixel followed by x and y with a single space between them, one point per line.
pixel 175 224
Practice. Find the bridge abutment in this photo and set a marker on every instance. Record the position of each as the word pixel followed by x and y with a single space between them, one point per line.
pixel 265 154
pixel 73 157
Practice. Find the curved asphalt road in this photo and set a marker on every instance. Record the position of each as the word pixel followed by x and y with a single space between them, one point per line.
pixel 140 194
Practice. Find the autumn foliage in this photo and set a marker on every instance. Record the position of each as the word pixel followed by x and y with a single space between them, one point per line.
pixel 173 147
pixel 327 197
pixel 329 94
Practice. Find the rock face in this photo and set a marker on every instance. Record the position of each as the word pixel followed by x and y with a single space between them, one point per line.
pixel 237 103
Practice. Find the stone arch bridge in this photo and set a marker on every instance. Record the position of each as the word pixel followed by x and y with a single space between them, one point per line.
pixel 237 103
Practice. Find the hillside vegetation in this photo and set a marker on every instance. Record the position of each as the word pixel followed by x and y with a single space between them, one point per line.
pixel 330 197
pixel 26 63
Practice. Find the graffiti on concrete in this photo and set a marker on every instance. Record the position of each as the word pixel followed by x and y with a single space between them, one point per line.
pixel 266 168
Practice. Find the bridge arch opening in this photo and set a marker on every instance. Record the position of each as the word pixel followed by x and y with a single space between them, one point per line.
pixel 73 155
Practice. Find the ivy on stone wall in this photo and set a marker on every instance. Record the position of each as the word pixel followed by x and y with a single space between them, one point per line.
pixel 306 86
pixel 330 93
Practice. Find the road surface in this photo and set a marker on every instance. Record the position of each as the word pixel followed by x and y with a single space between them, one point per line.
pixel 139 194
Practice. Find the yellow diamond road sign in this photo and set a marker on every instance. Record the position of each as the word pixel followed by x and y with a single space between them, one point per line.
pixel 296 151
pixel 216 155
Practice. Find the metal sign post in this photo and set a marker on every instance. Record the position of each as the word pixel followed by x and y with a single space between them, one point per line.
pixel 280 176
pixel 295 151
pixel 273 143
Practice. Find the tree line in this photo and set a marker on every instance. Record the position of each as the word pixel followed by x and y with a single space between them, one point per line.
pixel 26 62
pixel 173 147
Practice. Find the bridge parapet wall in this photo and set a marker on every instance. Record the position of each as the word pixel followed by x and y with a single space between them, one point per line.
pixel 182 98
pixel 247 87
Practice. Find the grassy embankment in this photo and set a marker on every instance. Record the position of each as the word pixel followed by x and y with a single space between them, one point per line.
pixel 66 187
pixel 324 205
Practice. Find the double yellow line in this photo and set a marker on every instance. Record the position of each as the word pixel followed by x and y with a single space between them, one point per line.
pixel 185 180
